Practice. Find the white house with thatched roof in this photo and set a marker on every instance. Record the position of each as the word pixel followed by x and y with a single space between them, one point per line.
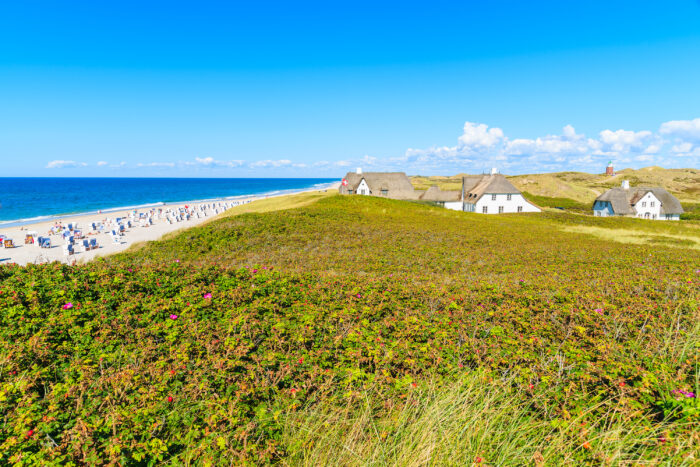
pixel 493 194
pixel 447 199
pixel 643 202
pixel 395 185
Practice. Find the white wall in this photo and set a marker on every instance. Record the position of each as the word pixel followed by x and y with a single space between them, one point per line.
pixel 644 207
pixel 362 186
pixel 454 205
pixel 509 206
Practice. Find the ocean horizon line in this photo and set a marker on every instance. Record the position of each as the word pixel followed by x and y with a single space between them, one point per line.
pixel 74 204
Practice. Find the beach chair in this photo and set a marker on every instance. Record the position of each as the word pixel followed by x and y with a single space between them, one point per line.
pixel 44 242
pixel 8 243
pixel 93 243
pixel 68 249
pixel 28 240
pixel 86 245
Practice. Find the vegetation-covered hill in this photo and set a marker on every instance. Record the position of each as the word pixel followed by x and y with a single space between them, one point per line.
pixel 357 330
pixel 584 187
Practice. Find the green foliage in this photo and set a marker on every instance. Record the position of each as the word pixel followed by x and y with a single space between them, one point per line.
pixel 559 203
pixel 348 302
pixel 692 212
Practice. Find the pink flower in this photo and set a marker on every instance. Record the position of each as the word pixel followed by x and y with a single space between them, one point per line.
pixel 254 271
pixel 599 311
pixel 68 306
pixel 131 270
pixel 207 295
pixel 173 317
pixel 177 260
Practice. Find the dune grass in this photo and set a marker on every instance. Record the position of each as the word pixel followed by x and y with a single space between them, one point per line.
pixel 638 237
pixel 358 330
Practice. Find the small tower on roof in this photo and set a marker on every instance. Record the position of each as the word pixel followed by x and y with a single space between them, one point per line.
pixel 609 169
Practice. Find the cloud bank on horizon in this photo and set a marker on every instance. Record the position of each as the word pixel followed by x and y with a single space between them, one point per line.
pixel 675 144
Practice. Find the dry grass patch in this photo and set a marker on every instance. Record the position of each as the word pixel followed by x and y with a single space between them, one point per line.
pixel 637 237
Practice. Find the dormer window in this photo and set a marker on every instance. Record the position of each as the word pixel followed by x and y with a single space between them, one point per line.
pixel 385 192
pixel 509 197
pixel 493 197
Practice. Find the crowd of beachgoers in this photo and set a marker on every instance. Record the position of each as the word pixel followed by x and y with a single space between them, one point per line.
pixel 82 238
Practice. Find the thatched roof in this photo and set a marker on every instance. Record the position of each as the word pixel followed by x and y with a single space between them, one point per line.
pixel 397 184
pixel 623 201
pixel 436 194
pixel 477 186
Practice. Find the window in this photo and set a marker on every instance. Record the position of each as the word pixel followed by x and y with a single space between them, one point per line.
pixel 651 204
pixel 520 209
pixel 385 192
pixel 500 209
pixel 363 191
pixel 509 197
pixel 485 209
pixel 644 204
pixel 349 191
pixel 493 197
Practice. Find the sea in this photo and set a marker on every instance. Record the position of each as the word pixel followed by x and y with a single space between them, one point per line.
pixel 28 200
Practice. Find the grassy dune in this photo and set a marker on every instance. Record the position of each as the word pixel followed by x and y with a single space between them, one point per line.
pixel 359 330
pixel 577 190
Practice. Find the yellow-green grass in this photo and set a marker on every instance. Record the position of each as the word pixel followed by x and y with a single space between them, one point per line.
pixel 638 237
pixel 303 336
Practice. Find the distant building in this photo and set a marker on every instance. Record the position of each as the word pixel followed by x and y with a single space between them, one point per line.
pixel 447 199
pixel 395 185
pixel 493 194
pixel 609 170
pixel 643 202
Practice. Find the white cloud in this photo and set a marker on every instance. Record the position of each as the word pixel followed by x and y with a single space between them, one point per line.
pixel 480 147
pixel 156 164
pixel 211 162
pixel 623 141
pixel 271 164
pixel 682 129
pixel 480 135
pixel 101 163
pixel 61 164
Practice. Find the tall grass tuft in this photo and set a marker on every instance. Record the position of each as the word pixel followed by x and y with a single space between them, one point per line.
pixel 473 420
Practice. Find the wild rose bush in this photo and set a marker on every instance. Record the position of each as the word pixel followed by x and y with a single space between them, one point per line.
pixel 197 348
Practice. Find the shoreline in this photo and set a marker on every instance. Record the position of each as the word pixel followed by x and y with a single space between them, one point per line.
pixel 23 254
pixel 58 217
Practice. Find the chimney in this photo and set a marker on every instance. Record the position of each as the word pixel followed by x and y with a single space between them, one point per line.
pixel 625 184
pixel 359 171
pixel 494 171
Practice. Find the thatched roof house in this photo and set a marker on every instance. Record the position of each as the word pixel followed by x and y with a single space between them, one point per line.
pixel 436 194
pixel 493 194
pixel 644 202
pixel 395 185
pixel 474 187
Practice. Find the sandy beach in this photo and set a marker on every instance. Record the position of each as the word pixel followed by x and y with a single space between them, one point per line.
pixel 139 225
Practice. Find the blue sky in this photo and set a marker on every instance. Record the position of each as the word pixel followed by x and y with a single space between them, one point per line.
pixel 310 89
